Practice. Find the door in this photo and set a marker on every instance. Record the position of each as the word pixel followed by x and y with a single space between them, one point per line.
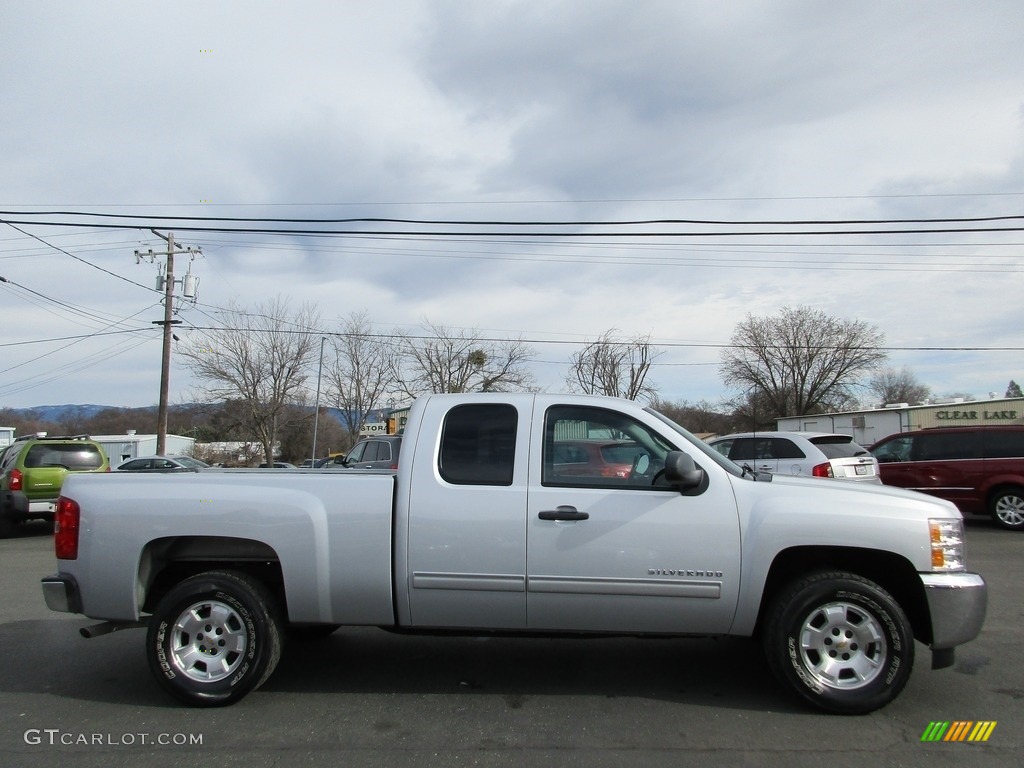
pixel 756 453
pixel 611 553
pixel 939 463
pixel 466 546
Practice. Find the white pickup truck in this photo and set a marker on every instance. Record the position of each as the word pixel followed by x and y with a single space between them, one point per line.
pixel 521 513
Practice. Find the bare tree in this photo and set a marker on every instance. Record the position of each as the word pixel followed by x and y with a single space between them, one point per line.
pixel 802 361
pixel 890 385
pixel 260 359
pixel 700 418
pixel 614 366
pixel 72 421
pixel 360 373
pixel 752 410
pixel 445 360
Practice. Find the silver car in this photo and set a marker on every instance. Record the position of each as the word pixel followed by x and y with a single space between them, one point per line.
pixel 161 464
pixel 810 454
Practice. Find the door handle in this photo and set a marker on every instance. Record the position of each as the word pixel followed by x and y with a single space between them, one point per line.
pixel 563 513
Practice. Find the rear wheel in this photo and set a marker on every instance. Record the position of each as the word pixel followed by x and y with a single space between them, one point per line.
pixel 840 642
pixel 214 638
pixel 1007 507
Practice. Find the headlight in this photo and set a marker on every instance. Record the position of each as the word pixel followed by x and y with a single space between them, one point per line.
pixel 947 544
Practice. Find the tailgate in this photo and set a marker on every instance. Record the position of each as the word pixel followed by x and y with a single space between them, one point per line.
pixel 43 482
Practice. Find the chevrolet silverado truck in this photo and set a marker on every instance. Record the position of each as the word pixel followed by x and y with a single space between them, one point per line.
pixel 490 525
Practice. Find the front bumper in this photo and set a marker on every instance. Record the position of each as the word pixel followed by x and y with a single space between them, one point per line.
pixel 61 594
pixel 957 603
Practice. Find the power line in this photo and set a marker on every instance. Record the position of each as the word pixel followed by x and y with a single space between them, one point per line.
pixel 498 339
pixel 427 234
pixel 564 201
pixel 521 223
pixel 517 229
pixel 73 256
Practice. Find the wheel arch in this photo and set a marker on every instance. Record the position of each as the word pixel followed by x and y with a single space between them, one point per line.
pixel 168 561
pixel 894 573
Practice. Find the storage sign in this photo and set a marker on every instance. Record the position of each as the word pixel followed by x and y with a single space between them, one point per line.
pixel 374 428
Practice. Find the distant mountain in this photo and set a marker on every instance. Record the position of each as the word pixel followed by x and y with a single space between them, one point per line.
pixel 57 412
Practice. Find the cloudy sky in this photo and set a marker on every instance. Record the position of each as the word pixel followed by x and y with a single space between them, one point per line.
pixel 589 111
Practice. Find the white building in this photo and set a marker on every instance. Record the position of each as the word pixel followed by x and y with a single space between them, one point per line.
pixel 6 436
pixel 131 446
pixel 870 426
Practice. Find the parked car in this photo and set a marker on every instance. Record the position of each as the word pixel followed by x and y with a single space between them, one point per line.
pixel 315 463
pixel 980 469
pixel 32 472
pixel 594 458
pixel 278 465
pixel 811 454
pixel 379 452
pixel 160 464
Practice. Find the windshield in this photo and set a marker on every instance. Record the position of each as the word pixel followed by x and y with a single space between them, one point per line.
pixel 703 447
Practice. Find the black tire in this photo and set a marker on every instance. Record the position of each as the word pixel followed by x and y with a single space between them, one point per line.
pixel 1007 508
pixel 214 638
pixel 7 520
pixel 840 642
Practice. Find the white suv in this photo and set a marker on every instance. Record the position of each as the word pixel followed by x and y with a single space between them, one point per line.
pixel 810 454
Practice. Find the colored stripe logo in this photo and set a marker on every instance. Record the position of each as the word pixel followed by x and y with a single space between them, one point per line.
pixel 959 730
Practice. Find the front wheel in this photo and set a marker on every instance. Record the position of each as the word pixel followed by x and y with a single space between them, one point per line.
pixel 840 642
pixel 214 638
pixel 1008 508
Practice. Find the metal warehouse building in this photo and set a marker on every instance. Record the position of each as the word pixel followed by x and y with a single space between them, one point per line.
pixel 870 426
pixel 131 446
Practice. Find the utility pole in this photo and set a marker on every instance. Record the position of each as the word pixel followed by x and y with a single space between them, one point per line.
pixel 167 282
pixel 165 364
pixel 316 407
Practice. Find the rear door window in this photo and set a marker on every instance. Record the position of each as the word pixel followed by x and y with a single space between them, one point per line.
pixel 478 444
pixel 781 448
pixel 744 449
pixel 946 446
pixel 1003 445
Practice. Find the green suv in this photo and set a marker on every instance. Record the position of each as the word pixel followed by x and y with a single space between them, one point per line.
pixel 32 471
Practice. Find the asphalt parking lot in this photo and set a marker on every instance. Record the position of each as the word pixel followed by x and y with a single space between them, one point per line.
pixel 364 697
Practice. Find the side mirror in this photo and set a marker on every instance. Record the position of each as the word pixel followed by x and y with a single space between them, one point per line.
pixel 682 472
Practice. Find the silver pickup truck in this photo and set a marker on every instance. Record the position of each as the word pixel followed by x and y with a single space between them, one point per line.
pixel 525 513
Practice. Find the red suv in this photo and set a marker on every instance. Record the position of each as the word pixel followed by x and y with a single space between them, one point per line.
pixel 980 469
